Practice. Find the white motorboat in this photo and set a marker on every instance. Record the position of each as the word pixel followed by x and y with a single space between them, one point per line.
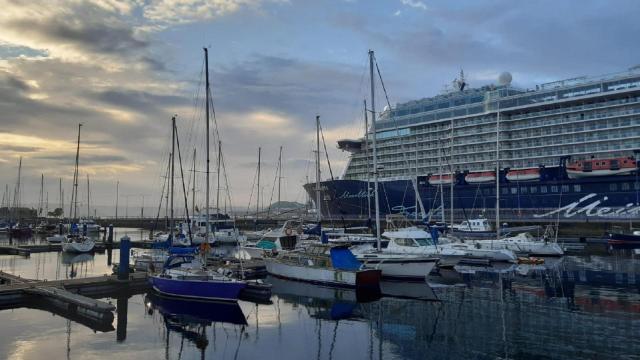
pixel 92 226
pixel 415 241
pixel 56 239
pixel 149 260
pixel 473 250
pixel 222 230
pixel 77 244
pixel 399 266
pixel 523 243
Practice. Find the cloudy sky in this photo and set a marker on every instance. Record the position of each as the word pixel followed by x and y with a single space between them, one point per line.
pixel 123 68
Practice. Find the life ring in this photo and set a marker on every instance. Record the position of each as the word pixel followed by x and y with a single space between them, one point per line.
pixel 288 232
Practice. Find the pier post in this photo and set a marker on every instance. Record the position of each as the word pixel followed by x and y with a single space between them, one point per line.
pixel 110 236
pixel 122 310
pixel 84 229
pixel 123 267
pixel 60 228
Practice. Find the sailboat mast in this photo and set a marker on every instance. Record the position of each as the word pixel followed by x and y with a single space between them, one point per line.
pixel 452 176
pixel 17 195
pixel 318 206
pixel 40 202
pixel 173 151
pixel 366 155
pixel 442 215
pixel 117 197
pixel 279 174
pixel 206 70
pixel 61 197
pixel 375 150
pixel 258 190
pixel 218 180
pixel 74 191
pixel 498 172
pixel 88 198
pixel 193 190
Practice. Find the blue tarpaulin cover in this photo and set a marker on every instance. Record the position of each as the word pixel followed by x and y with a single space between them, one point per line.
pixel 342 258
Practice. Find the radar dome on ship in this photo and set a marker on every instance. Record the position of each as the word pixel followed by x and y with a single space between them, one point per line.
pixel 505 78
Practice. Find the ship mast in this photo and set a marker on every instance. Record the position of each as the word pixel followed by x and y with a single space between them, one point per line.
pixel 375 150
pixel 366 155
pixel 172 224
pixel 498 173
pixel 206 68
pixel 258 188
pixel 318 206
pixel 74 193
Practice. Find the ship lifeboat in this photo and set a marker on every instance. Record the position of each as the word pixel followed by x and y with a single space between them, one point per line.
pixel 480 177
pixel 440 179
pixel 523 175
pixel 601 167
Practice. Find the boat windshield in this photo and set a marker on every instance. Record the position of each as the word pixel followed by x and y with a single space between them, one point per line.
pixel 424 242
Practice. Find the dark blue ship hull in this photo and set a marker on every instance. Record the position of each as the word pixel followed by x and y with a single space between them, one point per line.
pixel 554 197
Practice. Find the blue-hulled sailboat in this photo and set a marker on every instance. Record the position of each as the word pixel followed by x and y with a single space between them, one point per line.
pixel 183 275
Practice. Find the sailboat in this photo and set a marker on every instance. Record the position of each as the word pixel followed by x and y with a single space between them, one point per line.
pixel 184 275
pixel 396 266
pixel 18 229
pixel 76 242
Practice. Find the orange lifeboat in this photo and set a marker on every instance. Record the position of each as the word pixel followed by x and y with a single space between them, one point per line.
pixel 440 179
pixel 524 175
pixel 480 177
pixel 601 167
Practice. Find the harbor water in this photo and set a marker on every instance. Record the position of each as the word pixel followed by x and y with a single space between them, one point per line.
pixel 583 306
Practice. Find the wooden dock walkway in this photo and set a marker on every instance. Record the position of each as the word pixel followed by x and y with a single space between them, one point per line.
pixel 28 249
pixel 70 295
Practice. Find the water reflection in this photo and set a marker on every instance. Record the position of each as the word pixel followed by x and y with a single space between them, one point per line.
pixel 572 307
pixel 191 318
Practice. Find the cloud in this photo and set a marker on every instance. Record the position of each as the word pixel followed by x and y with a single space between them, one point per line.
pixel 414 4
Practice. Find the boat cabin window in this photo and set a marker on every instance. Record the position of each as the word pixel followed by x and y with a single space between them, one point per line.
pixel 424 242
pixel 405 242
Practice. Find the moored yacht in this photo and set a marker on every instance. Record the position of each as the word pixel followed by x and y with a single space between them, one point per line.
pixel 323 264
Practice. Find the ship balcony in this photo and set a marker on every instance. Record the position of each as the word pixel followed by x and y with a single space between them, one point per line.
pixel 350 145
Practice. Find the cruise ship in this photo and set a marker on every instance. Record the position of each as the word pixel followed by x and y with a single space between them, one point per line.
pixel 566 151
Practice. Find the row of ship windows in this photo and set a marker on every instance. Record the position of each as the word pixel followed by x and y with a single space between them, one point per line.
pixel 479 109
pixel 544 189
pixel 534 138
pixel 487 133
pixel 570 119
pixel 532 147
pixel 600 103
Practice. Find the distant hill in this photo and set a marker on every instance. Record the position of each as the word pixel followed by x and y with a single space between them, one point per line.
pixel 286 205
